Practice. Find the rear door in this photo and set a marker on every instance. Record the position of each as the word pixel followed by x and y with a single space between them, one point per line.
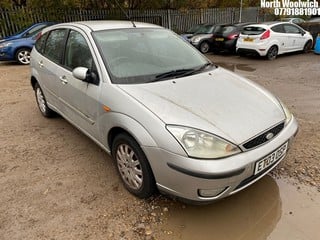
pixel 50 46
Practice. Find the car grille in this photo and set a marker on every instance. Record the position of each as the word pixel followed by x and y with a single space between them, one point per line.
pixel 263 137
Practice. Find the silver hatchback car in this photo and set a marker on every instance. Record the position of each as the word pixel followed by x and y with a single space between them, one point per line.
pixel 172 120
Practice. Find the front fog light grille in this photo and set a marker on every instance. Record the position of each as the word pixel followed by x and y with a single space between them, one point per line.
pixel 264 137
pixel 208 193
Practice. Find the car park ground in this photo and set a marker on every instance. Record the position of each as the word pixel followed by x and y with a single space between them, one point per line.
pixel 55 183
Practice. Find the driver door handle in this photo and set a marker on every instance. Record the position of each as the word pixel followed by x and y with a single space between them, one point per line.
pixel 63 80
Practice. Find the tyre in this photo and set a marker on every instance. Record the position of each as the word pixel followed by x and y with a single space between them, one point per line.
pixel 272 53
pixel 133 166
pixel 42 103
pixel 204 47
pixel 307 47
pixel 23 56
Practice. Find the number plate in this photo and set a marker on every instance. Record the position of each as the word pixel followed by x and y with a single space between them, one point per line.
pixel 248 39
pixel 219 39
pixel 270 159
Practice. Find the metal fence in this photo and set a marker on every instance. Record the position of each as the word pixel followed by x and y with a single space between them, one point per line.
pixel 14 19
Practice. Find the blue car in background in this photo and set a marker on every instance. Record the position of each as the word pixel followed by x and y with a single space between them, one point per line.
pixel 18 47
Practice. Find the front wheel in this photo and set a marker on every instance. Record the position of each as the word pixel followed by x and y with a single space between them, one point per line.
pixel 133 166
pixel 204 47
pixel 23 56
pixel 272 53
pixel 307 47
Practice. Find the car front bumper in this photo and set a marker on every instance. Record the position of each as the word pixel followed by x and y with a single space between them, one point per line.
pixel 6 54
pixel 203 180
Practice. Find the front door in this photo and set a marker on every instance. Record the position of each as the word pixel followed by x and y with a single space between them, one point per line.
pixel 295 38
pixel 79 99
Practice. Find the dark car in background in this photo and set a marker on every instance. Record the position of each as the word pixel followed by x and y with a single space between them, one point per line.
pixel 226 36
pixel 312 26
pixel 202 39
pixel 18 46
pixel 191 31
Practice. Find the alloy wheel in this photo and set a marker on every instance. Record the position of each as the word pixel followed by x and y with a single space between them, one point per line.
pixel 23 57
pixel 129 166
pixel 40 100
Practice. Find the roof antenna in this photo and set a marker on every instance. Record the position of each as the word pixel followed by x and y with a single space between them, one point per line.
pixel 125 13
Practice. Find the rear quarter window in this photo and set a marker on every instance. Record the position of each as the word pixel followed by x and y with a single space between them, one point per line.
pixel 250 30
pixel 278 28
pixel 41 42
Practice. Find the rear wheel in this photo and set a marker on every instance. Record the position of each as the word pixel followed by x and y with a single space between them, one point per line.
pixel 23 56
pixel 42 103
pixel 204 47
pixel 307 47
pixel 133 166
pixel 272 53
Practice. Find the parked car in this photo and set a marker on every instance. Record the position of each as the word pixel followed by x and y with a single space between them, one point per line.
pixel 202 39
pixel 273 38
pixel 168 116
pixel 226 36
pixel 18 46
pixel 189 33
pixel 292 20
pixel 315 19
pixel 312 26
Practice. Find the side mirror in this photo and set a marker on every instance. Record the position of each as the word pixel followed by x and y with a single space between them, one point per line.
pixel 303 33
pixel 84 74
pixel 80 73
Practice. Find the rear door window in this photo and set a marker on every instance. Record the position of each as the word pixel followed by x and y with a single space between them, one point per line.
pixel 253 30
pixel 55 45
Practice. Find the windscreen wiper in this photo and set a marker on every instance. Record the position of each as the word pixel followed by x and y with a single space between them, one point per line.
pixel 180 72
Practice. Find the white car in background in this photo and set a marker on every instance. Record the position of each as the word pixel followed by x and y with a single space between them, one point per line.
pixel 273 38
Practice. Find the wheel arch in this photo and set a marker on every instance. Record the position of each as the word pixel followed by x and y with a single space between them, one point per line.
pixel 114 132
pixel 120 123
pixel 21 47
pixel 33 82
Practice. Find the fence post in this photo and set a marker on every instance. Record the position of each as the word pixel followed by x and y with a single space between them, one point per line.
pixel 169 18
pixel 232 15
pixel 201 16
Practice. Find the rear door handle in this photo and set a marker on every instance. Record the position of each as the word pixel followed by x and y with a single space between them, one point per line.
pixel 63 80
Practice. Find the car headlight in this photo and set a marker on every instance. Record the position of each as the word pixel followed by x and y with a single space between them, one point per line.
pixel 286 111
pixel 200 144
pixel 3 45
pixel 195 39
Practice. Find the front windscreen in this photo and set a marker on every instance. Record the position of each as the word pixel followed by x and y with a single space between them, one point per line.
pixel 141 55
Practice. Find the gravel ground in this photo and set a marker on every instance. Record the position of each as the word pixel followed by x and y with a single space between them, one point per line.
pixel 55 183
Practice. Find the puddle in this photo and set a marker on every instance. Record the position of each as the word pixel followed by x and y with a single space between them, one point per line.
pixel 234 67
pixel 260 212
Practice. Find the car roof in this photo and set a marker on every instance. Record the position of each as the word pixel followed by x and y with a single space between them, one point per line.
pixel 98 25
pixel 269 24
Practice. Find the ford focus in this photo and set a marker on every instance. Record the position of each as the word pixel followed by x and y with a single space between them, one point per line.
pixel 171 119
